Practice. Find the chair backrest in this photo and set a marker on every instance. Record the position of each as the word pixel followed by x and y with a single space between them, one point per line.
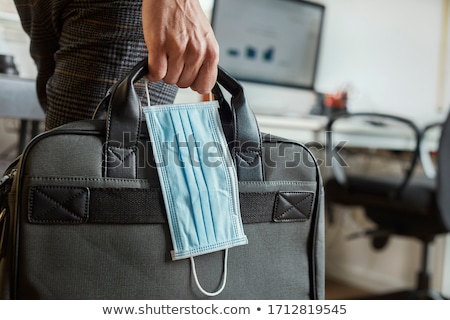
pixel 443 175
pixel 377 139
pixel 429 145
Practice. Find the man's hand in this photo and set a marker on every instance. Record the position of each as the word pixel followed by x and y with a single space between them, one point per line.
pixel 182 48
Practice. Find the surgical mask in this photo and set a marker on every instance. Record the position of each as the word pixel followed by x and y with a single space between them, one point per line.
pixel 198 181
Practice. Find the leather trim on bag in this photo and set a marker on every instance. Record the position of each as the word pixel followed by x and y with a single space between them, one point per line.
pixel 58 205
pixel 121 162
pixel 293 206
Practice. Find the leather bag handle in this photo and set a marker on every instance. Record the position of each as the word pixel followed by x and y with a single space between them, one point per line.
pixel 124 118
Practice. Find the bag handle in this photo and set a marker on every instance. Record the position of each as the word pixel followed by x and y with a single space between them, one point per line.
pixel 123 122
pixel 124 118
pixel 245 145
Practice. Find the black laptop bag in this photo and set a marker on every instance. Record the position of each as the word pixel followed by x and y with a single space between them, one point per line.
pixel 82 214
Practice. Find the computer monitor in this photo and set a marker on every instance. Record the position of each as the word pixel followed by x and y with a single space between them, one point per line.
pixel 273 42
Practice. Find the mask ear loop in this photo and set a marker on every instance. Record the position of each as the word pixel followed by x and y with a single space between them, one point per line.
pixel 147 83
pixel 224 278
pixel 225 262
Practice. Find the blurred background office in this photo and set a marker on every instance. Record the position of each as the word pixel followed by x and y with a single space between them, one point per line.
pixel 389 56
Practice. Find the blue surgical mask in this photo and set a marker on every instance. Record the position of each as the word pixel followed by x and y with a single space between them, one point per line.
pixel 198 180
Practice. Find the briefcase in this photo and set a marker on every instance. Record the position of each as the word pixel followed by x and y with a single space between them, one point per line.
pixel 83 217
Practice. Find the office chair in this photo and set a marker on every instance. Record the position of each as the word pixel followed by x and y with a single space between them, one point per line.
pixel 428 149
pixel 404 204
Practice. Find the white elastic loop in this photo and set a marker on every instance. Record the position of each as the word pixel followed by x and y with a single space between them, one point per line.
pixel 147 92
pixel 210 96
pixel 224 279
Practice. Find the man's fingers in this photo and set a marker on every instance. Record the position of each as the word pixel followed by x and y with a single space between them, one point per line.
pixel 175 63
pixel 157 66
pixel 206 78
pixel 207 74
pixel 193 62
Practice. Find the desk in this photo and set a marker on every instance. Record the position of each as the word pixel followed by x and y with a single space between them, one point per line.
pixel 18 100
pixel 360 133
pixel 355 132
pixel 304 129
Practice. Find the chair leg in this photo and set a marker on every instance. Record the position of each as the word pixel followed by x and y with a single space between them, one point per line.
pixel 423 276
pixel 423 290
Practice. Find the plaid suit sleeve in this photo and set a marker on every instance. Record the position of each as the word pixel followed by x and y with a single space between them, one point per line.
pixel 81 48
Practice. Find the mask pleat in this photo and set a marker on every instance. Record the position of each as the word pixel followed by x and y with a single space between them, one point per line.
pixel 203 173
pixel 217 179
pixel 165 143
pixel 188 219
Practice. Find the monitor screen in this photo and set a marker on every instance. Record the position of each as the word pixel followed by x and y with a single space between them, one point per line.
pixel 269 41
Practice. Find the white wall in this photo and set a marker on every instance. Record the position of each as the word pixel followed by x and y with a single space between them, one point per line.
pixel 387 52
pixel 14 41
